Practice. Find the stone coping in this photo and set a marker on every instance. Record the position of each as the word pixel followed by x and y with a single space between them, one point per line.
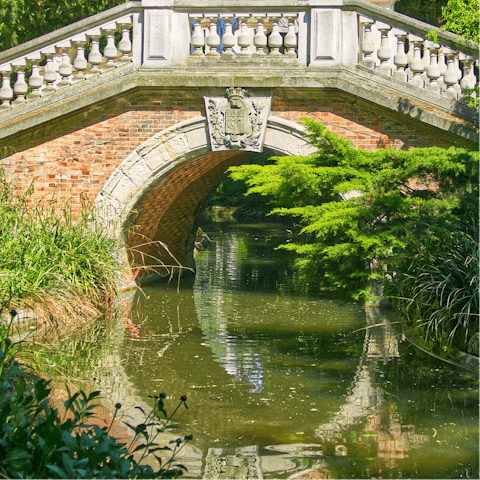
pixel 448 118
pixel 361 6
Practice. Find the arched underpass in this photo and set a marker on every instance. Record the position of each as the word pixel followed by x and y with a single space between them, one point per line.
pixel 154 194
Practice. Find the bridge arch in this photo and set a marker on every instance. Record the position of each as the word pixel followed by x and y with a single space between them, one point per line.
pixel 154 192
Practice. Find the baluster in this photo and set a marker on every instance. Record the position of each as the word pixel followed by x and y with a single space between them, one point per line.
pixel 35 82
pixel 384 53
pixel 228 39
pixel 400 59
pixel 80 62
pixel 213 40
pixel 433 72
pixel 125 44
pixel 65 69
pixel 290 40
pixel 197 40
pixel 469 81
pixel 451 77
pixel 49 74
pixel 110 52
pixel 20 87
pixel 244 39
pixel 458 70
pixel 442 66
pixel 275 40
pixel 260 39
pixel 367 47
pixel 426 59
pixel 6 92
pixel 417 66
pixel 409 59
pixel 95 58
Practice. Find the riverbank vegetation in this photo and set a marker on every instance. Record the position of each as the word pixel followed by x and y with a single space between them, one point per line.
pixel 62 268
pixel 388 217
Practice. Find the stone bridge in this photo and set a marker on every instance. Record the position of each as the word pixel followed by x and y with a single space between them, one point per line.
pixel 140 109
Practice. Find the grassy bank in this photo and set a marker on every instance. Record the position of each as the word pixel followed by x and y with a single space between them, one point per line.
pixel 60 266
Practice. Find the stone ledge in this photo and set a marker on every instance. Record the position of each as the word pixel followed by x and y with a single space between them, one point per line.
pixel 456 121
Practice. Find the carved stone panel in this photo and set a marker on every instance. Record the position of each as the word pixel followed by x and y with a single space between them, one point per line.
pixel 241 463
pixel 238 120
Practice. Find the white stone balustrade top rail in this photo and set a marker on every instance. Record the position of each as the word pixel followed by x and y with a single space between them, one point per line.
pixel 304 34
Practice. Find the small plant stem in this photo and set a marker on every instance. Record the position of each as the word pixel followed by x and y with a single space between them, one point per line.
pixel 113 419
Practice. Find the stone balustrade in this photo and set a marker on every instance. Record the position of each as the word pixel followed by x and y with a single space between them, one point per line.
pixel 257 34
pixel 41 71
pixel 409 57
pixel 273 34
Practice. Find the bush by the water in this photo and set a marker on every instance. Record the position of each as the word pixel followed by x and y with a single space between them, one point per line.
pixel 438 291
pixel 51 262
pixel 37 442
pixel 365 215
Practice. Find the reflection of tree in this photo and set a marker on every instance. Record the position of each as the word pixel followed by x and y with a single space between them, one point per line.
pixel 237 355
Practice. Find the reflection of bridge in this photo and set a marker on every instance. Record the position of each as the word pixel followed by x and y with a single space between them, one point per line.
pixel 125 126
pixel 365 409
pixel 364 396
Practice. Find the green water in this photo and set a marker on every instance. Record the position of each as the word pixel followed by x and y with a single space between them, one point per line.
pixel 298 381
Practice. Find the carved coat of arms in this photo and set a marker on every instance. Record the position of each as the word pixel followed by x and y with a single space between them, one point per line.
pixel 237 121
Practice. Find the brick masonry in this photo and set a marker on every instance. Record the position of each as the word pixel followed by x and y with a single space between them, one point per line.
pixel 74 157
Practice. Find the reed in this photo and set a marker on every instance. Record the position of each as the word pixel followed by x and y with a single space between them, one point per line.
pixel 62 267
pixel 439 293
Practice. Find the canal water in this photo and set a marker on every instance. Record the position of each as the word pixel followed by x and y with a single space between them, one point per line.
pixel 280 385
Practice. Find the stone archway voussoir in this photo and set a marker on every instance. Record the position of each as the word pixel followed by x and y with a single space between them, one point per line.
pixel 149 165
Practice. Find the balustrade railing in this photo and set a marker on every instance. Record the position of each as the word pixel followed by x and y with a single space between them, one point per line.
pixel 415 59
pixel 186 33
pixel 64 63
pixel 258 34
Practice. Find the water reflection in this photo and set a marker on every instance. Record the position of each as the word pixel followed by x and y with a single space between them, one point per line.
pixel 282 386
pixel 239 356
pixel 364 396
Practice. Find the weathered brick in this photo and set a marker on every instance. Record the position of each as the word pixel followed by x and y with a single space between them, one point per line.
pixel 81 151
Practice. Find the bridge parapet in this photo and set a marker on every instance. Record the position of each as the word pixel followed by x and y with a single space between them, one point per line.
pixel 230 35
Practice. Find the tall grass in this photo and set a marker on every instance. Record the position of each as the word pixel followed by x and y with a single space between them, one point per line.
pixel 60 266
pixel 439 293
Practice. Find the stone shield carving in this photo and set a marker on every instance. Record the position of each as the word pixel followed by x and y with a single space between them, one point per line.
pixel 237 121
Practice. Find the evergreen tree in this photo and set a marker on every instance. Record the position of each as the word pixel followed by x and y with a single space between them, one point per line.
pixel 365 213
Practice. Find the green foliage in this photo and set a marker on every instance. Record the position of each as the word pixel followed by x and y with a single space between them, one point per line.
pixel 438 290
pixel 44 250
pixel 429 11
pixel 23 20
pixel 462 17
pixel 231 193
pixel 362 212
pixel 35 442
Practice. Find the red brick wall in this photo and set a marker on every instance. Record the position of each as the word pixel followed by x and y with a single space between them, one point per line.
pixel 75 156
pixel 369 130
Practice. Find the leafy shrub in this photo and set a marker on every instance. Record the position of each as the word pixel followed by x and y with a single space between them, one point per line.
pixel 362 212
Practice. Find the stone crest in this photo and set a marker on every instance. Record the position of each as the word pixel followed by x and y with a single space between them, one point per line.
pixel 237 121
